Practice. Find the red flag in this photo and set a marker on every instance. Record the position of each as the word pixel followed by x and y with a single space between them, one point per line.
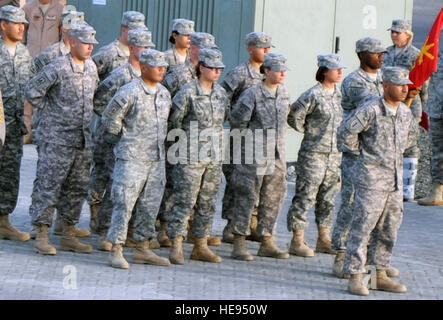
pixel 426 62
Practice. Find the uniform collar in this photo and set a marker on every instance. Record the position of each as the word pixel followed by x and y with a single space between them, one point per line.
pixel 200 90
pixel 364 75
pixel 266 92
pixel 146 88
pixel 74 66
pixel 253 72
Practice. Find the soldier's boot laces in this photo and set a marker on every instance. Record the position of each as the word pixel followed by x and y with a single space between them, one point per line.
pixel 392 272
pixel 356 286
pixel 116 259
pixel 384 283
pixel 435 197
pixel 298 245
pixel 130 241
pixel 268 248
pixel 162 237
pixel 239 251
pixel 176 252
pixel 154 244
pixel 212 241
pixel 58 229
pixel 337 268
pixel 203 253
pixel 254 235
pixel 143 255
pixel 324 244
pixel 103 244
pixel 228 236
pixel 42 244
pixel 7 231
pixel 69 241
pixel 93 220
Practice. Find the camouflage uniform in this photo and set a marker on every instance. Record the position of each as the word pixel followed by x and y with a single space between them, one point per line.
pixel 196 181
pixel 172 60
pixel 378 138
pixel 139 115
pixel 15 72
pixel 258 109
pixel 65 146
pixel 184 27
pixel 436 115
pixel 317 114
pixel 356 88
pixel 235 83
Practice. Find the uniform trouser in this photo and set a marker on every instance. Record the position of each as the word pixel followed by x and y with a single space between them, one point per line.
pixel 437 150
pixel 138 184
pixel 195 187
pixel 10 159
pixel 61 180
pixel 168 195
pixel 270 189
pixel 343 221
pixel 377 216
pixel 100 174
pixel 105 211
pixel 318 181
pixel 228 196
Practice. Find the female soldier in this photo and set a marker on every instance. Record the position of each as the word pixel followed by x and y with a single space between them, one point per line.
pixel 181 42
pixel 199 109
pixel 317 114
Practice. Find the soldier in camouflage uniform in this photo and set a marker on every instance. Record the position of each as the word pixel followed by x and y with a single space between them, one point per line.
pixel 435 105
pixel 15 65
pixel 404 54
pixel 173 81
pixel 136 119
pixel 107 59
pixel 377 133
pixel 138 40
pixel 263 108
pixel 64 89
pixel 181 42
pixel 358 86
pixel 235 83
pixel 201 106
pixel 317 114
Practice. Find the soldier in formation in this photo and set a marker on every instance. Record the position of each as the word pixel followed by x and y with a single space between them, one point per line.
pixel 181 42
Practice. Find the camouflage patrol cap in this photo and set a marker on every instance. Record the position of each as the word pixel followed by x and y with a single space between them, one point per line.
pixel 211 58
pixel 401 25
pixel 70 18
pixel 396 75
pixel 331 61
pixel 183 26
pixel 259 40
pixel 369 44
pixel 83 32
pixel 13 14
pixel 140 38
pixel 134 20
pixel 275 62
pixel 203 40
pixel 153 58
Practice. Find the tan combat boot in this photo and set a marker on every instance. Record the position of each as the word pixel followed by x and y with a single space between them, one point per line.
pixel 33 232
pixel 268 248
pixel 324 241
pixel 386 284
pixel 103 244
pixel 435 197
pixel 58 229
pixel 228 236
pixel 239 251
pixel 202 252
pixel 7 231
pixel 298 245
pixel 154 244
pixel 69 241
pixel 254 235
pixel 212 241
pixel 162 237
pixel 116 259
pixel 337 268
pixel 93 220
pixel 176 252
pixel 42 244
pixel 143 255
pixel 130 241
pixel 356 286
pixel 392 272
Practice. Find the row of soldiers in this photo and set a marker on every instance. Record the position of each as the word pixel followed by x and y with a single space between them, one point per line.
pixel 138 95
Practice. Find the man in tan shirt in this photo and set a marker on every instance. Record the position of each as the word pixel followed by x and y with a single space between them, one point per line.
pixel 45 19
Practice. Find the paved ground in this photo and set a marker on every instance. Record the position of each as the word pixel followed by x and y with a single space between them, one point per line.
pixel 28 275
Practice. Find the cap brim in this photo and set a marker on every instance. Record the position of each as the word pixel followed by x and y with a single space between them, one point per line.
pixel 264 45
pixel 149 44
pixel 219 65
pixel 395 29
pixel 18 21
pixel 157 64
pixel 88 41
pixel 279 68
